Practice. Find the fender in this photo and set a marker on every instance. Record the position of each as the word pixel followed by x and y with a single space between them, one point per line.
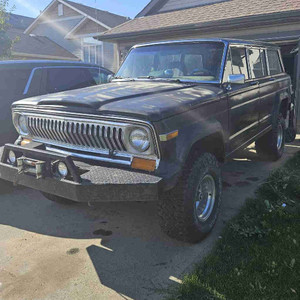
pixel 279 98
pixel 190 135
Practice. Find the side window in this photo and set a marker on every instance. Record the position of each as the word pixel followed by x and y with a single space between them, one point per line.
pixel 264 61
pixel 274 62
pixel 63 79
pixel 228 67
pixel 256 65
pixel 239 61
pixel 100 76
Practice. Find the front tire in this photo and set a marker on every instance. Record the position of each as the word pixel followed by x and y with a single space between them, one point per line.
pixel 189 211
pixel 58 199
pixel 271 145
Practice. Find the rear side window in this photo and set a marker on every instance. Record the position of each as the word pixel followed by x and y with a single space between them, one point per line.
pixel 239 61
pixel 274 62
pixel 63 79
pixel 100 76
pixel 256 63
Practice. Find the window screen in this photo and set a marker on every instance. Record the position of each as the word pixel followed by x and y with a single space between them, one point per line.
pixel 62 79
pixel 239 61
pixel 274 62
pixel 256 65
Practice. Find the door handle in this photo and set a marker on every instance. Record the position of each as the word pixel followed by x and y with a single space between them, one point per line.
pixel 254 82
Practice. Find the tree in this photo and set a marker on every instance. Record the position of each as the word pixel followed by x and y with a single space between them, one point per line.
pixel 6 43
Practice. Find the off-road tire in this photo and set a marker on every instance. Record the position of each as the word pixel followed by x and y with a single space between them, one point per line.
pixel 58 199
pixel 177 209
pixel 291 131
pixel 266 146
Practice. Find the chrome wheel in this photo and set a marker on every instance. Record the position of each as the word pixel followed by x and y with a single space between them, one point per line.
pixel 279 137
pixel 205 198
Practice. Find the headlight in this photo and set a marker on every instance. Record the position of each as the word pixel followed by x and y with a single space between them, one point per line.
pixel 139 140
pixel 23 124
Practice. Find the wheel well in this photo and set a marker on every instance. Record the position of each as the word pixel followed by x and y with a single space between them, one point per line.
pixel 212 144
pixel 284 105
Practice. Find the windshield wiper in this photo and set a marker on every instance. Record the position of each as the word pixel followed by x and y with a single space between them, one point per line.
pixel 146 77
pixel 126 78
pixel 170 80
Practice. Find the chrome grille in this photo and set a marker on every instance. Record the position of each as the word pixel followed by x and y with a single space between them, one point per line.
pixel 85 135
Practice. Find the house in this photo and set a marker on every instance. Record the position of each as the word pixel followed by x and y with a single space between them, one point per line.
pixel 73 26
pixel 276 21
pixel 270 20
pixel 33 47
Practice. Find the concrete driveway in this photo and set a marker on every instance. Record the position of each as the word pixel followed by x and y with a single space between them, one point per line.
pixel 112 251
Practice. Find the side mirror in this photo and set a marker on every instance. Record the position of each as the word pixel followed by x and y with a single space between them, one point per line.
pixel 236 79
pixel 110 78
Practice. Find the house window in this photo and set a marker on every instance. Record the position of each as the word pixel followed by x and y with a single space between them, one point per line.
pixel 92 51
pixel 60 10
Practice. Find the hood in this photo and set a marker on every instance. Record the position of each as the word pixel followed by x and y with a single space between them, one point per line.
pixel 150 100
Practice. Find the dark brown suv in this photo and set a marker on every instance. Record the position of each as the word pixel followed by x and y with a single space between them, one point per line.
pixel 173 113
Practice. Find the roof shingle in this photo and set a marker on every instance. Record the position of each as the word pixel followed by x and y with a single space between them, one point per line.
pixel 105 17
pixel 38 45
pixel 202 14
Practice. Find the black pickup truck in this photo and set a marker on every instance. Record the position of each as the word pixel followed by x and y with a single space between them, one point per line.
pixel 159 131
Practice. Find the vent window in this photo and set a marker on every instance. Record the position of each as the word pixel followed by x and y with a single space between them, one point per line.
pixel 60 10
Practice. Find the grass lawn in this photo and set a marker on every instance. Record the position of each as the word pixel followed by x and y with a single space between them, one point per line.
pixel 258 256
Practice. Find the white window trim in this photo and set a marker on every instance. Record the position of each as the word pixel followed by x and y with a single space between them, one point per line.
pixel 89 46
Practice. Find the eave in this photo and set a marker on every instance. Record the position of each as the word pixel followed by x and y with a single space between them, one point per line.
pixel 288 17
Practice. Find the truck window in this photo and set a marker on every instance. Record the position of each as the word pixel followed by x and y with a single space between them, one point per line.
pixel 274 62
pixel 228 67
pixel 256 65
pixel 239 61
pixel 100 76
pixel 13 81
pixel 63 79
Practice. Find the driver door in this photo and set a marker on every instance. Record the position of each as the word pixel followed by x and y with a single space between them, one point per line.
pixel 243 101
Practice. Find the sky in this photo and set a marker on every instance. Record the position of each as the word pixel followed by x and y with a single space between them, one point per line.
pixel 128 8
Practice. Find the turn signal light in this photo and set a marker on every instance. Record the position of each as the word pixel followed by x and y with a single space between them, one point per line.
pixel 25 142
pixel 143 164
pixel 168 136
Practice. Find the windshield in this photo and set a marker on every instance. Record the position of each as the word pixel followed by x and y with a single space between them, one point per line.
pixel 199 61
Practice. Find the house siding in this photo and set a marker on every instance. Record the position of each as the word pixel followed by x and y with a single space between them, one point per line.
pixel 89 27
pixel 56 31
pixel 108 56
pixel 52 13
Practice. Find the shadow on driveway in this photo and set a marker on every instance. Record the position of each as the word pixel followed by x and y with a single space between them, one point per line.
pixel 128 251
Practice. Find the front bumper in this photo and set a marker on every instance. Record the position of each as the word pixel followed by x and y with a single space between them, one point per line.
pixel 87 183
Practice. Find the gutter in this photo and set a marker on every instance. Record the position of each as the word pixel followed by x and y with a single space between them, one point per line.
pixel 220 25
